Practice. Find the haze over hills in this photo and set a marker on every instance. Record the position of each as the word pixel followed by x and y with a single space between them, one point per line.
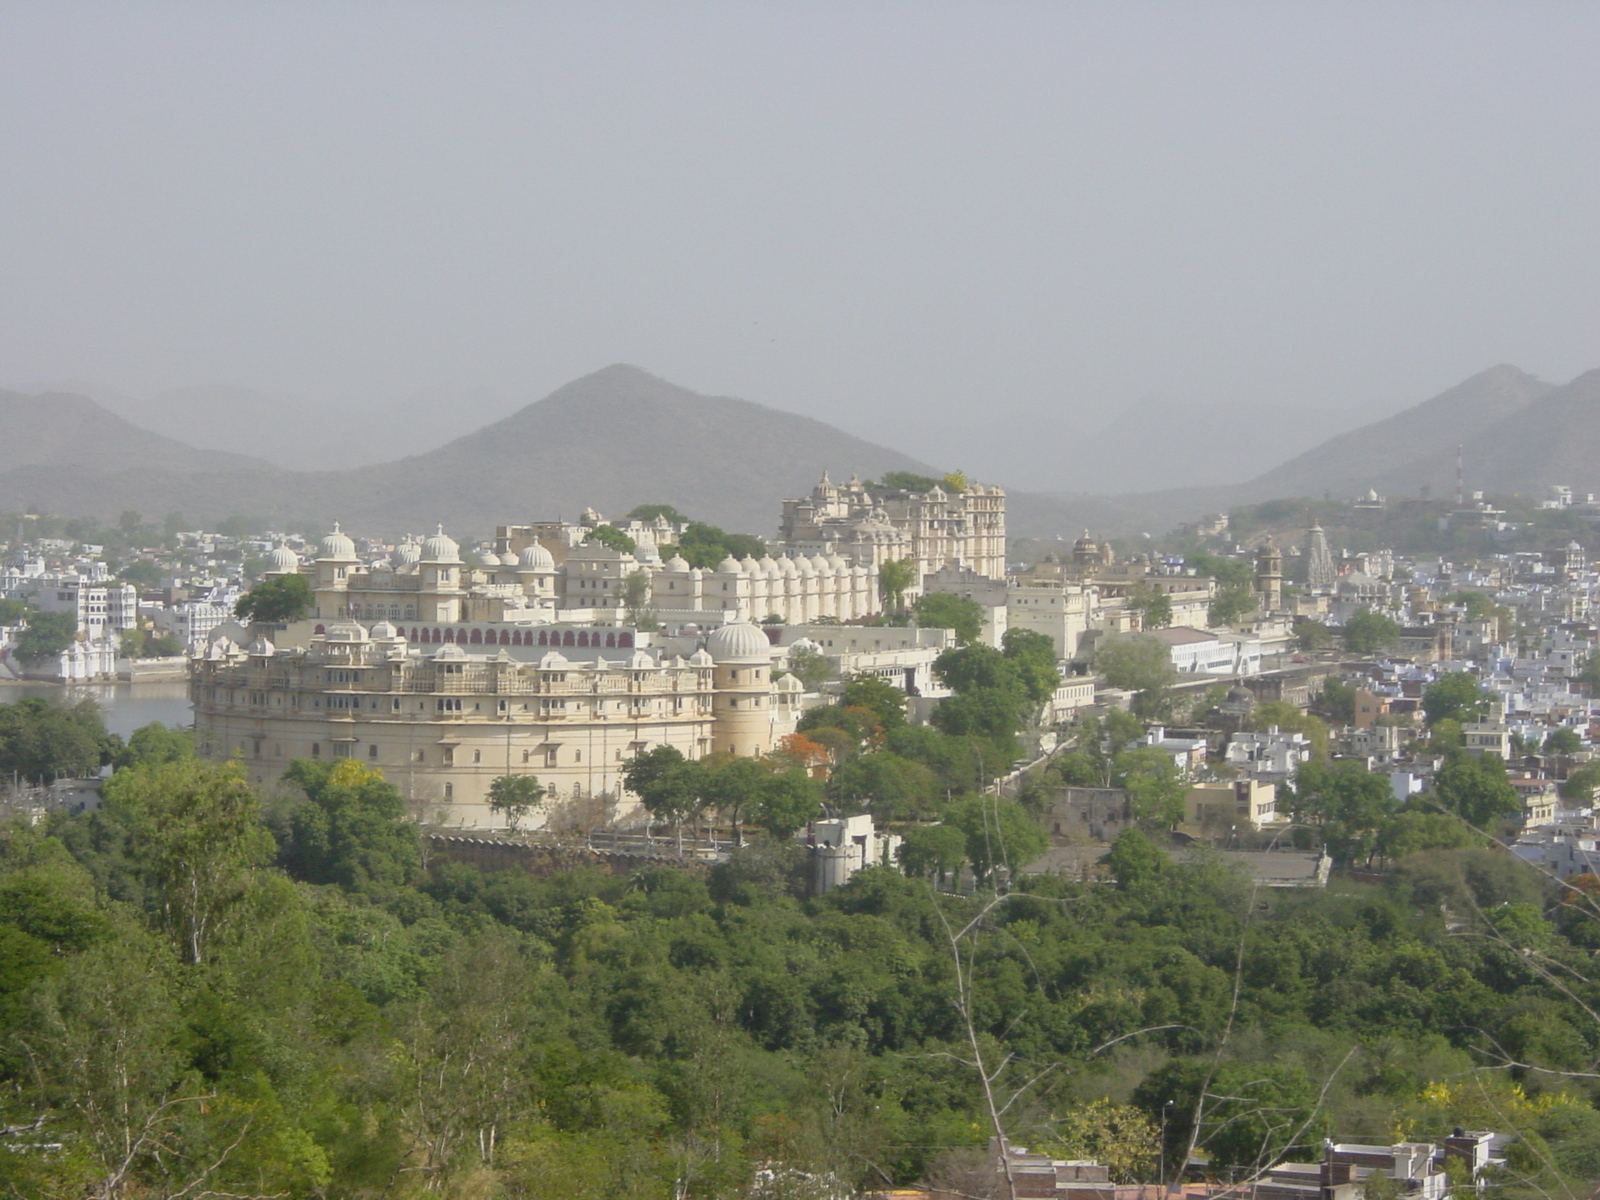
pixel 58 430
pixel 621 437
pixel 1154 443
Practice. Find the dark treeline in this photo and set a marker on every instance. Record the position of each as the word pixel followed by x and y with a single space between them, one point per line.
pixel 205 993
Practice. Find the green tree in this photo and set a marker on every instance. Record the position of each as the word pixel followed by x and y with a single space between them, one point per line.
pixel 1134 859
pixel 999 832
pixel 655 512
pixel 350 830
pixel 636 600
pixel 895 578
pixel 1457 695
pixel 1231 604
pixel 13 612
pixel 277 601
pixel 1033 658
pixel 1565 740
pixel 1370 632
pixel 196 836
pixel 908 481
pixel 893 788
pixel 1312 635
pixel 612 537
pixel 45 636
pixel 1155 788
pixel 1336 701
pixel 1153 605
pixel 515 796
pixel 41 741
pixel 811 667
pixel 937 850
pixel 972 669
pixel 884 700
pixel 733 787
pixel 1139 664
pixel 1228 572
pixel 155 743
pixel 1350 803
pixel 1290 719
pixel 668 785
pixel 1476 789
pixel 946 610
pixel 787 800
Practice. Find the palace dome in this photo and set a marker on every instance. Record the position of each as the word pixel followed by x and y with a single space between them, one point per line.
pixel 406 554
pixel 441 548
pixel 385 632
pixel 337 545
pixel 729 566
pixel 536 558
pixel 346 631
pixel 734 642
pixel 677 563
pixel 284 561
pixel 509 559
pixel 261 648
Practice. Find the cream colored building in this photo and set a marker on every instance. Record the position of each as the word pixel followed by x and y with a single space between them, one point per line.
pixel 869 527
pixel 442 721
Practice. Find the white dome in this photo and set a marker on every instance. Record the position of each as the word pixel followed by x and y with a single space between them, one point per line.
pixel 787 568
pixel 644 549
pixel 406 554
pixel 677 563
pixel 770 568
pixel 536 558
pixel 804 568
pixel 737 642
pixel 441 548
pixel 729 566
pixel 261 648
pixel 509 559
pixel 450 652
pixel 803 644
pixel 838 564
pixel 284 561
pixel 346 631
pixel 383 631
pixel 337 545
pixel 820 564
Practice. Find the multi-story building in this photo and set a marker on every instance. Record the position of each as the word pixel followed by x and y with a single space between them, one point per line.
pixel 871 525
pixel 444 721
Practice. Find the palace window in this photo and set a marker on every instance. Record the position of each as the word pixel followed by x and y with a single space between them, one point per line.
pixel 449 791
pixel 372 751
pixel 477 756
pixel 447 704
pixel 316 749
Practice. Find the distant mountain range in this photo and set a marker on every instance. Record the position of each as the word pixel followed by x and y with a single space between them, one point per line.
pixel 622 437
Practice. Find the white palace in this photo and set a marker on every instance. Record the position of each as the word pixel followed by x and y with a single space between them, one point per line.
pixel 559 657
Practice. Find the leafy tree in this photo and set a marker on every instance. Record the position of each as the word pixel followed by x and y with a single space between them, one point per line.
pixel 196 837
pixel 946 610
pixel 13 612
pixel 955 762
pixel 1445 735
pixel 1231 604
pixel 884 700
pixel 653 512
pixel 515 796
pixel 1336 701
pixel 46 635
pixel 667 784
pixel 1138 664
pixel 350 830
pixel 787 801
pixel 844 729
pixel 1228 572
pixel 999 833
pixel 1033 658
pixel 895 578
pixel 1476 789
pixel 1457 696
pixel 143 574
pixel 894 788
pixel 155 743
pixel 971 669
pixel 1351 804
pixel 1312 635
pixel 40 741
pixel 955 482
pixel 810 667
pixel 908 481
pixel 705 546
pixel 636 600
pixel 988 714
pixel 733 787
pixel 1155 788
pixel 1153 605
pixel 1565 740
pixel 1370 632
pixel 1251 1113
pixel 611 537
pixel 1134 859
pixel 278 600
pixel 1415 831
pixel 937 850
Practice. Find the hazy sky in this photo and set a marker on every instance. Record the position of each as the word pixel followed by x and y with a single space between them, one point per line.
pixel 849 209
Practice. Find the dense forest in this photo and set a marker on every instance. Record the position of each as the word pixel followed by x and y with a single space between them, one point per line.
pixel 205 993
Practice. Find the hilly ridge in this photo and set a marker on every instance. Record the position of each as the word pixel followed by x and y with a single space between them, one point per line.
pixel 62 430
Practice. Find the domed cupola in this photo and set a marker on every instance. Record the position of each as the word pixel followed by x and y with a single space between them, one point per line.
pixel 338 547
pixel 440 548
pixel 283 561
pixel 738 643
pixel 535 557
pixel 407 554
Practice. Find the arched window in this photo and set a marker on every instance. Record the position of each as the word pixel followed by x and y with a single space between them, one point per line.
pixel 319 629
pixel 569 638
pixel 625 640
pixel 611 639
pixel 450 636
pixel 477 637
pixel 505 637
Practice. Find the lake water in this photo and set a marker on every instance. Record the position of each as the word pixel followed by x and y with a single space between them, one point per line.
pixel 126 706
